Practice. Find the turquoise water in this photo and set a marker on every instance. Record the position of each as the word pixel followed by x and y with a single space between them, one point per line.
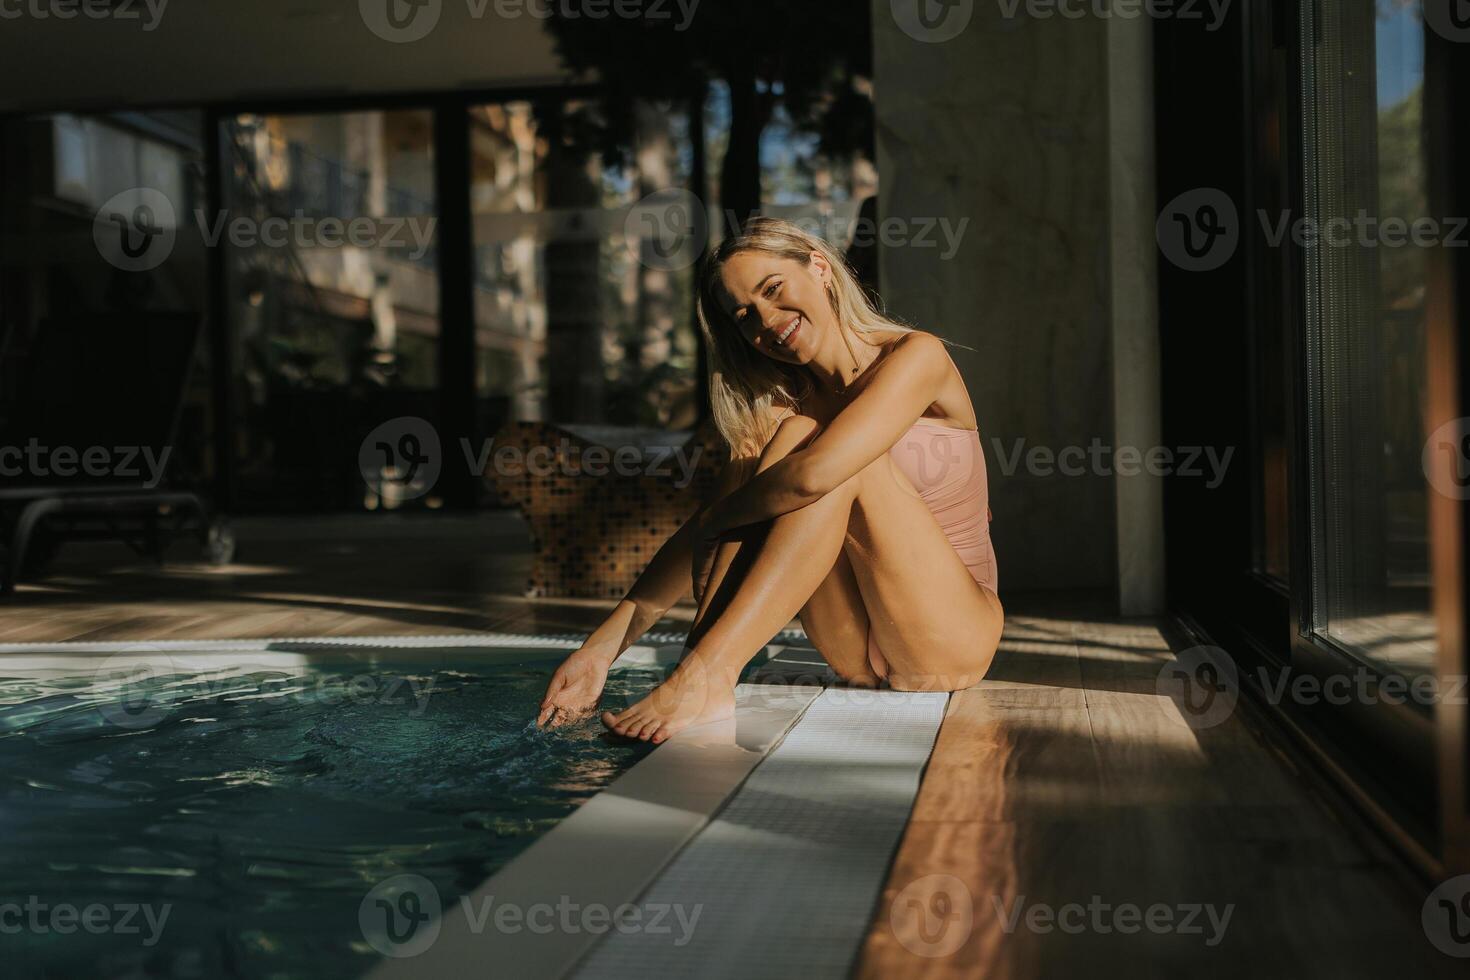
pixel 193 825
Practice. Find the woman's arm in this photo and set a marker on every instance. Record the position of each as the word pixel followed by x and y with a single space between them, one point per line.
pixel 861 432
pixel 664 582
pixel 668 577
pixel 576 686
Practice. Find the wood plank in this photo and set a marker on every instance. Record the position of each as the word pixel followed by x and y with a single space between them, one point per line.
pixel 1029 804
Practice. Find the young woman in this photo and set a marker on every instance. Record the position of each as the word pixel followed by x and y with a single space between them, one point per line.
pixel 855 497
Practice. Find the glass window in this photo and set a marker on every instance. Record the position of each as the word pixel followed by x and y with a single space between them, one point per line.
pixel 1368 231
pixel 333 292
pixel 577 320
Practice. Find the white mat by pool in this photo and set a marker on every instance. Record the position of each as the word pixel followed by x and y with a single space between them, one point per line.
pixel 784 880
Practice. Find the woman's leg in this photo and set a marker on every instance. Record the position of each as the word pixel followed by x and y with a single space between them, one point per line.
pixel 834 618
pixel 937 627
pixel 798 552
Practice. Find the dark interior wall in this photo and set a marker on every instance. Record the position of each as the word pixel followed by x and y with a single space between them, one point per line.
pixel 1005 127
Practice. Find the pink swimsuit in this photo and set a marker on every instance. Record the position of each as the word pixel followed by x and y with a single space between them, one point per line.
pixel 947 466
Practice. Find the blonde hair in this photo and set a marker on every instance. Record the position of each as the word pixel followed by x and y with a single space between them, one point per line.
pixel 747 388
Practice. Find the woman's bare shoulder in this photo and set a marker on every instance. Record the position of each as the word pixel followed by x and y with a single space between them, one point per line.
pixel 914 343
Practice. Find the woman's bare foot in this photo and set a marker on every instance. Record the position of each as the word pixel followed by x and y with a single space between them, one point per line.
pixel 692 695
pixel 576 687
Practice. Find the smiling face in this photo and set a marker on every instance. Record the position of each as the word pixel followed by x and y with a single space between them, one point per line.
pixel 780 305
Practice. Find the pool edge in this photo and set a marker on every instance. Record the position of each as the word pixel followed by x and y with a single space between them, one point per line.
pixel 607 853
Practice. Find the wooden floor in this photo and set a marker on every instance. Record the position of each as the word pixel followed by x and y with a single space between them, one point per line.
pixel 302 577
pixel 1066 779
pixel 1063 780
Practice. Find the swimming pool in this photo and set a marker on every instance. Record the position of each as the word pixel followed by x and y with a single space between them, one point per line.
pixel 184 822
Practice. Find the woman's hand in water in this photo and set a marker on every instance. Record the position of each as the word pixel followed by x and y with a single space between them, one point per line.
pixel 576 687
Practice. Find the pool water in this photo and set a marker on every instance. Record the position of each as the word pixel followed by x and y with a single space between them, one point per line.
pixel 231 824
